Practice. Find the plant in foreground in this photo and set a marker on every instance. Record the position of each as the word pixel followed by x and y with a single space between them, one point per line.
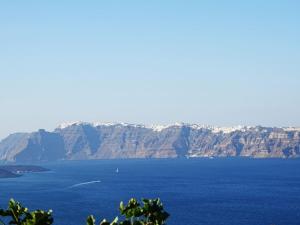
pixel 150 212
pixel 19 215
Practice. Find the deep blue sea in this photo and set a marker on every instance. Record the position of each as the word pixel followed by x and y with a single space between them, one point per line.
pixel 230 191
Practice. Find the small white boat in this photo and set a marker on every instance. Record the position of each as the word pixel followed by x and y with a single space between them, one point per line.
pixel 117 170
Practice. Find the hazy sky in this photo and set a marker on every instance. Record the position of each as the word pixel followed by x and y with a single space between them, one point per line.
pixel 208 62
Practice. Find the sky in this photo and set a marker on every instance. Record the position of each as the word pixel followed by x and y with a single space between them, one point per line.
pixel 211 62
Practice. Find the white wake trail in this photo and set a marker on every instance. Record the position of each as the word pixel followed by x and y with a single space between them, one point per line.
pixel 85 183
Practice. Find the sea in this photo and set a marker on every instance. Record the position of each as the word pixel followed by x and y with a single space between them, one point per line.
pixel 219 191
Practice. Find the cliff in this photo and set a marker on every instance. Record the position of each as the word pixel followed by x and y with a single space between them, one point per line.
pixel 111 141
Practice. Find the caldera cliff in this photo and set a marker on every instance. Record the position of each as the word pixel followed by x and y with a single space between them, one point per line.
pixel 78 141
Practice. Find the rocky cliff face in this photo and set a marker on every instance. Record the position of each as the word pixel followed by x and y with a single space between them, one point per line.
pixel 110 141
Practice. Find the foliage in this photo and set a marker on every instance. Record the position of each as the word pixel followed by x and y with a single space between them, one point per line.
pixel 19 215
pixel 151 212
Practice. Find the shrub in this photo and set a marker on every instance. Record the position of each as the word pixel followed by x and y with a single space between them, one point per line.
pixel 150 212
pixel 19 215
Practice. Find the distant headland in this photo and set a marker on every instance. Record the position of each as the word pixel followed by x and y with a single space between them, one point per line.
pixel 11 171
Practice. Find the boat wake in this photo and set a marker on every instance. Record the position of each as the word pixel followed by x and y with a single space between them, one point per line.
pixel 85 183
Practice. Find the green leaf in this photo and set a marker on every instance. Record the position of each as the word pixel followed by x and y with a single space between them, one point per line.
pixel 104 222
pixel 115 221
pixel 90 220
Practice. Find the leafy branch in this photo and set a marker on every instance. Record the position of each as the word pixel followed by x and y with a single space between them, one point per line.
pixel 149 212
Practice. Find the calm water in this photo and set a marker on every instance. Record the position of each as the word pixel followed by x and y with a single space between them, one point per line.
pixel 194 192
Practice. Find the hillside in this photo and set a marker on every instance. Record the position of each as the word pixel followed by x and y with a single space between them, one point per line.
pixel 78 141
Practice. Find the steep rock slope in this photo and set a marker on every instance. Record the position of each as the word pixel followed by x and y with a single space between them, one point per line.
pixel 109 141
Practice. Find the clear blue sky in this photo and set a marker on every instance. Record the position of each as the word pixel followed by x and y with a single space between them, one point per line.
pixel 208 62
